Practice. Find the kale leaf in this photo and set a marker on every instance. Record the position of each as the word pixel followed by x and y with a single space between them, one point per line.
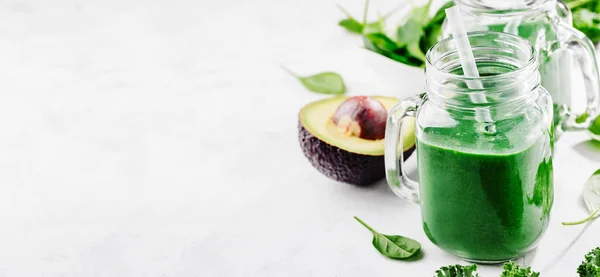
pixel 513 270
pixel 457 271
pixel 590 267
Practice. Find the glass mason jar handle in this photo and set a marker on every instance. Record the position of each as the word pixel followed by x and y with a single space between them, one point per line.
pixel 397 179
pixel 585 55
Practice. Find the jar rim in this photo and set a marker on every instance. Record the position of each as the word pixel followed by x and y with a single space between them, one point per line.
pixel 530 65
pixel 531 6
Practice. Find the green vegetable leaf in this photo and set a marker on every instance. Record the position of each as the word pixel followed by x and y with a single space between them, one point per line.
pixel 382 44
pixel 591 197
pixel 587 22
pixel 440 15
pixel 409 35
pixel 588 4
pixel 582 118
pixel 457 271
pixel 350 23
pixel 595 129
pixel 586 17
pixel 543 191
pixel 395 247
pixel 513 270
pixel 375 27
pixel 590 267
pixel 411 40
pixel 410 32
pixel 325 82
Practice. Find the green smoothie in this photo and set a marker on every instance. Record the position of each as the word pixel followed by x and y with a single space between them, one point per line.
pixel 490 204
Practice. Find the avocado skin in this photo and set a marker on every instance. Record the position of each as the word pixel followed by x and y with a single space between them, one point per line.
pixel 341 165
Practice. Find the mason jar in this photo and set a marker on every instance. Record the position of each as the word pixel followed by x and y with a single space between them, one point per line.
pixel 566 56
pixel 484 150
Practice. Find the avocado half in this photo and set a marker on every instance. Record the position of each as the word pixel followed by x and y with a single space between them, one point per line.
pixel 344 158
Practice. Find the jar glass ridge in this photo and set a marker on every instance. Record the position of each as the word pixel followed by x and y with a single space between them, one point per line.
pixel 512 87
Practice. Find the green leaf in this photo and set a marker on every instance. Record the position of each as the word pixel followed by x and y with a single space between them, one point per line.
pixel 587 22
pixel 591 197
pixel 409 35
pixel 325 82
pixel 433 29
pixel 411 40
pixel 543 190
pixel 413 31
pixel 380 43
pixel 595 128
pixel 421 14
pixel 513 270
pixel 351 25
pixel 586 17
pixel 590 267
pixel 395 247
pixel 574 4
pixel 582 118
pixel 375 27
pixel 457 271
pixel 440 15
pixel 410 32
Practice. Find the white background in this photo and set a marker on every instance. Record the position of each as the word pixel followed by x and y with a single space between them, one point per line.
pixel 159 138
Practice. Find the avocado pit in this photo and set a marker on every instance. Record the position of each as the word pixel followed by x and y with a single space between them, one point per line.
pixel 361 116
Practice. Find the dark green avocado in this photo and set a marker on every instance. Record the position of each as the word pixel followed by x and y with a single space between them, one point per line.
pixel 340 156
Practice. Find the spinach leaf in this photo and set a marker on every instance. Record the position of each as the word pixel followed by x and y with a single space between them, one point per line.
pixel 433 29
pixel 440 15
pixel 382 44
pixel 324 82
pixel 412 31
pixel 350 23
pixel 375 27
pixel 543 191
pixel 395 247
pixel 591 197
pixel 582 118
pixel 411 40
pixel 586 17
pixel 595 129
pixel 410 35
pixel 587 22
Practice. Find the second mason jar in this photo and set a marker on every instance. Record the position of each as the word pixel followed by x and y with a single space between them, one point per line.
pixel 484 150
pixel 547 25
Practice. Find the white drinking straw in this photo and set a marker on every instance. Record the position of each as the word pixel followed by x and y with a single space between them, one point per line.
pixel 467 60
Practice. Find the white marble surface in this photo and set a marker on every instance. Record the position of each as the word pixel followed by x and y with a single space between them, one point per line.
pixel 158 138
